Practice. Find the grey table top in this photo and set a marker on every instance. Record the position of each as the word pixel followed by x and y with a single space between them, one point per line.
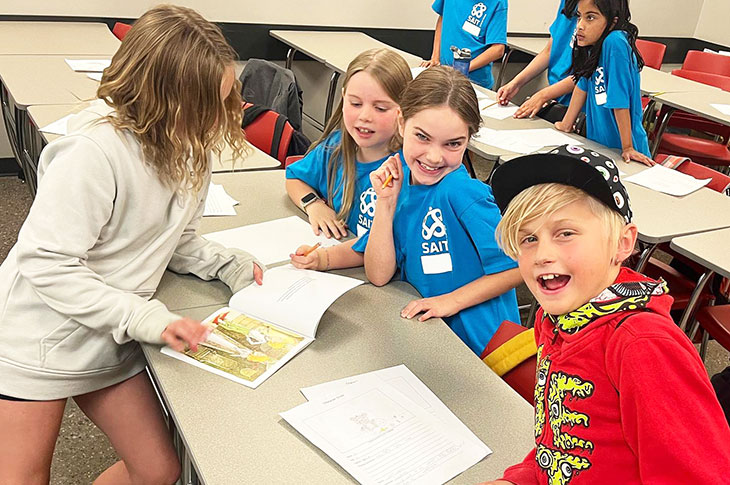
pixel 57 38
pixel 707 248
pixel 234 434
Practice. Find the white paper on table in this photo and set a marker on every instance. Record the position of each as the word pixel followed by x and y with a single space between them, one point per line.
pixel 666 180
pixel 272 241
pixel 543 137
pixel 293 299
pixel 415 71
pixel 88 65
pixel 722 108
pixel 96 76
pixel 378 435
pixel 218 202
pixel 499 112
pixel 58 127
pixel 503 140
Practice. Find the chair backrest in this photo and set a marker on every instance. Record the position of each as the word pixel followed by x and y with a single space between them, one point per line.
pixel 268 131
pixel 707 62
pixel 120 30
pixel 652 52
pixel 717 80
pixel 511 354
pixel 719 181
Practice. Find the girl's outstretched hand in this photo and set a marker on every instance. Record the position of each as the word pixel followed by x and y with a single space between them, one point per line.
pixel 434 307
pixel 185 333
pixel 507 92
pixel 631 154
pixel 323 219
pixel 300 259
pixel 531 106
pixel 388 179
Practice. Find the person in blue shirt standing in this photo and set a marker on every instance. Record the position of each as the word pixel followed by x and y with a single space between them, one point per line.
pixel 434 222
pixel 606 65
pixel 556 57
pixel 478 25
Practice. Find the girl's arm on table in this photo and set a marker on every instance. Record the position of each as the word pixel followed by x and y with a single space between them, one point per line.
pixel 324 259
pixel 538 64
pixel 623 120
pixel 321 216
pixel 380 262
pixel 474 293
pixel 576 104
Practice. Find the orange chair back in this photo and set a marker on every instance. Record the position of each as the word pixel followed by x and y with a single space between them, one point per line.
pixel 120 30
pixel 708 62
pixel 717 80
pixel 652 52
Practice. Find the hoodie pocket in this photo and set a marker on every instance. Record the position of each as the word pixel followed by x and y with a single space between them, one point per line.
pixel 72 347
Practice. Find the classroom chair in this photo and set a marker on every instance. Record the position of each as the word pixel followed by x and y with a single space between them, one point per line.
pixel 120 30
pixel 511 354
pixel 717 80
pixel 292 159
pixel 651 52
pixel 706 151
pixel 273 86
pixel 268 131
pixel 708 62
pixel 715 321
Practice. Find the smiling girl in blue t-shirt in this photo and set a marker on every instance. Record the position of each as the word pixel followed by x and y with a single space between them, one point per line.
pixel 606 65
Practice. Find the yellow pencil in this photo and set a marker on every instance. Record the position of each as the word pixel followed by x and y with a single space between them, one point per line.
pixel 312 249
pixel 388 180
pixel 490 105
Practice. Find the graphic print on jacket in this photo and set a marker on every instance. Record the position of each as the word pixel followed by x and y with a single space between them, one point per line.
pixel 435 258
pixel 566 451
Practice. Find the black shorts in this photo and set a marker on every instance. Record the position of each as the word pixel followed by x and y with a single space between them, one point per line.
pixel 11 398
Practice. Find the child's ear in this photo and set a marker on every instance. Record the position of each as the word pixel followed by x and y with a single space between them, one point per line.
pixel 401 123
pixel 626 242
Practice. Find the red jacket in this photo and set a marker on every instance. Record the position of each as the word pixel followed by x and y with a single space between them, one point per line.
pixel 622 397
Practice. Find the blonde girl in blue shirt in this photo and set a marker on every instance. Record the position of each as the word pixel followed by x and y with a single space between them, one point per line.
pixel 331 183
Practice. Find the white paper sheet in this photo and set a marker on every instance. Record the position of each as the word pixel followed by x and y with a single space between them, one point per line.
pixel 523 141
pixel 415 71
pixel 218 202
pixel 88 65
pixel 380 436
pixel 666 180
pixel 58 127
pixel 96 76
pixel 293 299
pixel 499 112
pixel 272 241
pixel 722 108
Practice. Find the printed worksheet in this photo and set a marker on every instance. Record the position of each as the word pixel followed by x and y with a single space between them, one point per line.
pixel 379 436
pixel 272 241
pixel 666 180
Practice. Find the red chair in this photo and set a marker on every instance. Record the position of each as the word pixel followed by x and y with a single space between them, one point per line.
pixel 717 80
pixel 651 52
pixel 700 150
pixel 267 133
pixel 708 62
pixel 511 354
pixel 292 159
pixel 120 30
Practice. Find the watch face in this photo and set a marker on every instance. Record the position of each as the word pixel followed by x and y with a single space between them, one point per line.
pixel 309 197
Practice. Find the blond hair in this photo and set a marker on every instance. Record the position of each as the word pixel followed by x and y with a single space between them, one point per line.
pixel 544 200
pixel 442 86
pixel 164 83
pixel 392 73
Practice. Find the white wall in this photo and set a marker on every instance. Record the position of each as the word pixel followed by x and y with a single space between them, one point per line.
pixel 714 22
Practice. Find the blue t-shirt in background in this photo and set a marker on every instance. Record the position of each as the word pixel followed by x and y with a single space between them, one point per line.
pixel 444 238
pixel 475 25
pixel 614 85
pixel 312 170
pixel 562 32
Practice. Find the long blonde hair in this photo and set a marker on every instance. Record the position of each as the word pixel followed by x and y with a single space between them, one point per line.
pixel 391 71
pixel 164 83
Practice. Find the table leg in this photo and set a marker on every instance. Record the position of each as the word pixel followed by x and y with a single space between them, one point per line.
pixel 692 304
pixel 290 57
pixel 646 117
pixel 331 92
pixel 500 76
pixel 660 131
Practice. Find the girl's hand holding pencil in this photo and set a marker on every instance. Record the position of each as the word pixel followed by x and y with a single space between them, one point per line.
pixel 388 179
pixel 307 257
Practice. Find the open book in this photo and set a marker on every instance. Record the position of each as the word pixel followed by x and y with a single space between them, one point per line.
pixel 265 326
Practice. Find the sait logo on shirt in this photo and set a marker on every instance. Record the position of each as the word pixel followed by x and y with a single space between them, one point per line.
pixel 367 211
pixel 600 87
pixel 474 21
pixel 436 258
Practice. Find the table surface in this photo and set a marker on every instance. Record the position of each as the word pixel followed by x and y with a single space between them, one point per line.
pixel 335 49
pixel 708 248
pixel 59 38
pixel 699 103
pixel 46 80
pixel 42 115
pixel 234 433
pixel 529 44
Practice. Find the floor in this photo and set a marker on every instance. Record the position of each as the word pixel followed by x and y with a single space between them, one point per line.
pixel 82 450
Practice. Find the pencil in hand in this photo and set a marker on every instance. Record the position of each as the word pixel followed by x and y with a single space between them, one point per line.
pixel 312 249
pixel 388 180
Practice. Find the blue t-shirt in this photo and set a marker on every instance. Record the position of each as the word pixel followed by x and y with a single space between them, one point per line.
pixel 614 85
pixel 562 32
pixel 475 25
pixel 312 170
pixel 444 238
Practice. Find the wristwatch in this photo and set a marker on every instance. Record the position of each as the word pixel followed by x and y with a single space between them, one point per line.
pixel 308 199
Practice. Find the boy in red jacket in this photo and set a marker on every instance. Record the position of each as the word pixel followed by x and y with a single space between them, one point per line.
pixel 621 395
